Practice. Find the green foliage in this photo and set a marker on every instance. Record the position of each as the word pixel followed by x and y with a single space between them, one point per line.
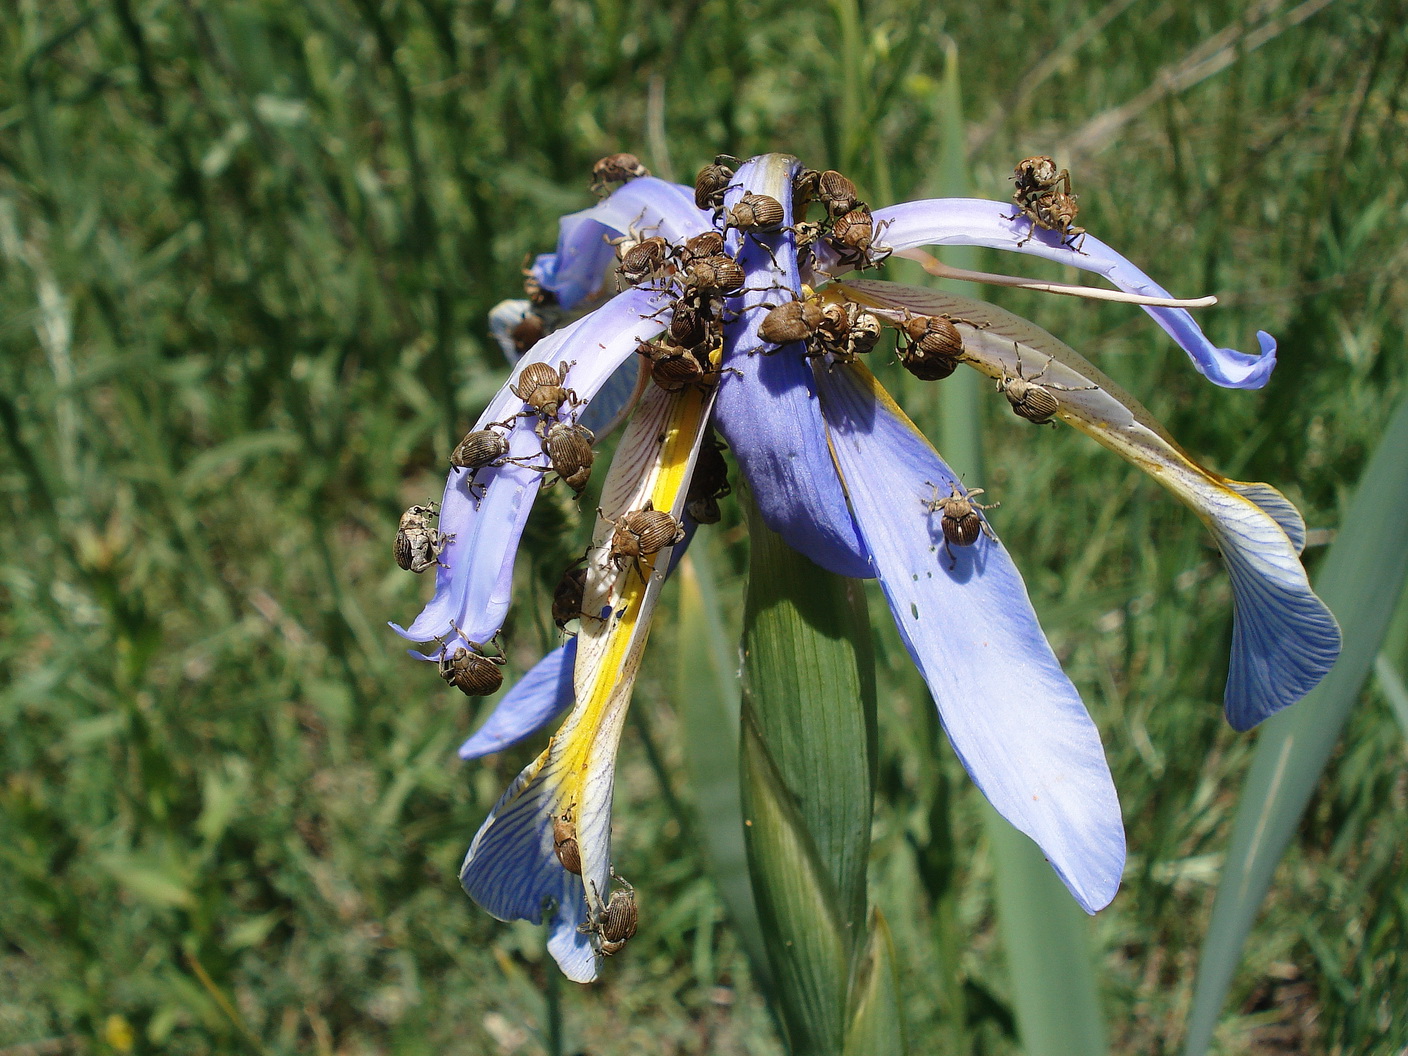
pixel 1362 580
pixel 808 777
pixel 247 252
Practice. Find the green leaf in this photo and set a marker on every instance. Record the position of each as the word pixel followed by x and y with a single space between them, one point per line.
pixel 1055 992
pixel 809 673
pixel 808 762
pixel 797 905
pixel 877 1022
pixel 707 693
pixel 1361 581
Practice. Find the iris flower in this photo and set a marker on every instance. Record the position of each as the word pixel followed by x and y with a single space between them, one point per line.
pixel 844 476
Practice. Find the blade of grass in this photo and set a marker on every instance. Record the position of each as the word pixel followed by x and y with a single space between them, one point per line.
pixel 1361 580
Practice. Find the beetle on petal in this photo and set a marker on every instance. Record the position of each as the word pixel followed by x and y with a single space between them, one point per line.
pixel 837 469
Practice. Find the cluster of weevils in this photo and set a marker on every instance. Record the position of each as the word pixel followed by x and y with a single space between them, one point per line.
pixel 700 275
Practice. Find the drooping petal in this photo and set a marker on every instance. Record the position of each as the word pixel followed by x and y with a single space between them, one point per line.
pixel 512 870
pixel 645 207
pixel 473 593
pixel 769 415
pixel 1012 715
pixel 1284 638
pixel 537 698
pixel 512 867
pixel 978 222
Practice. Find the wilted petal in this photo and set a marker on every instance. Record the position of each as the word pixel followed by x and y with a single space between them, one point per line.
pixel 1012 715
pixel 475 591
pixel 770 417
pixel 537 698
pixel 979 222
pixel 1284 638
pixel 646 207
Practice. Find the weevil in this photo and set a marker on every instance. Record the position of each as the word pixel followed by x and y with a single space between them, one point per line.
pixel 960 522
pixel 543 388
pixel 640 533
pixel 1032 401
pixel 564 842
pixel 418 546
pixel 713 180
pixel 616 168
pixel 934 347
pixel 471 671
pixel 568 447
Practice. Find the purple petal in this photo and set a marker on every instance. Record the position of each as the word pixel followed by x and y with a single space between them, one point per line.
pixel 474 592
pixel 1012 715
pixel 537 698
pixel 513 872
pixel 770 417
pixel 584 256
pixel 979 222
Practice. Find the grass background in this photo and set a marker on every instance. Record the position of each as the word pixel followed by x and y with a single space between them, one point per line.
pixel 246 255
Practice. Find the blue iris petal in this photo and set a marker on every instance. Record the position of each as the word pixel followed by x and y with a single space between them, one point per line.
pixel 537 698
pixel 1012 715
pixel 1284 638
pixel 513 872
pixel 474 592
pixel 978 222
pixel 645 207
pixel 770 418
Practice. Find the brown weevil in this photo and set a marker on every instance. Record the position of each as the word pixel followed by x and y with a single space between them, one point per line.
pixel 564 842
pixel 543 388
pixel 644 260
pixel 472 671
pixel 934 347
pixel 672 366
pixel 713 180
pixel 960 522
pixel 1057 212
pixel 1032 401
pixel 485 448
pixel 418 546
pixel 618 921
pixel 615 922
pixel 616 168
pixel 804 189
pixel 527 332
pixel 641 533
pixel 568 447
pixel 709 482
pixel 690 326
pixel 847 330
pixel 793 321
pixel 712 277
pixel 837 193
pixel 1036 176
pixel 705 244
pixel 854 235
pixel 568 594
pixel 755 213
